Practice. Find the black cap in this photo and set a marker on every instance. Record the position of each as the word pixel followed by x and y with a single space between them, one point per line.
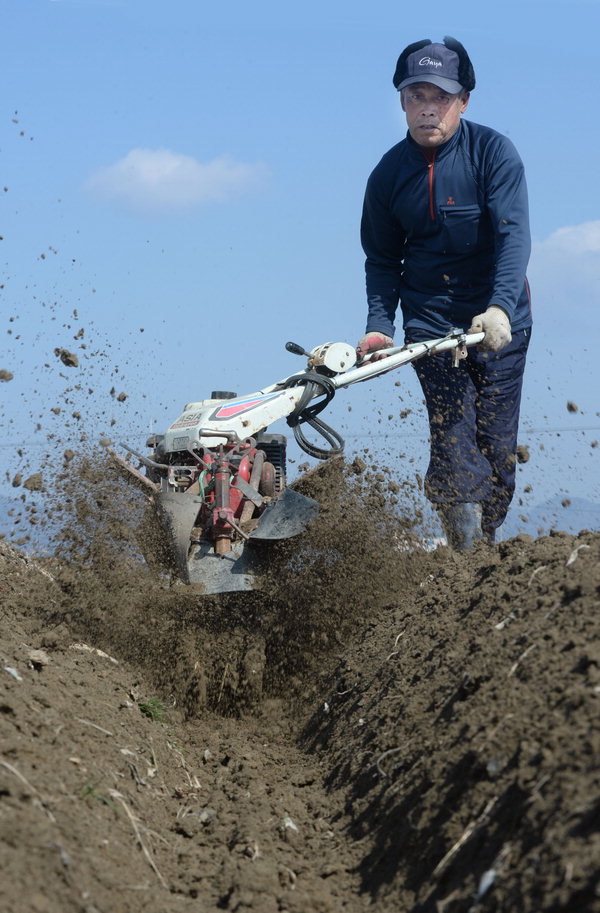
pixel 445 65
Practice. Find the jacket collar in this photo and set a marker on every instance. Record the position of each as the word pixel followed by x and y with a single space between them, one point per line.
pixel 440 151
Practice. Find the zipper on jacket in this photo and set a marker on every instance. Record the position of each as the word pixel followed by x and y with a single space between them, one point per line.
pixel 430 167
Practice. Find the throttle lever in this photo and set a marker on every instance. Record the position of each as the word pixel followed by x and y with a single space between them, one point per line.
pixel 296 349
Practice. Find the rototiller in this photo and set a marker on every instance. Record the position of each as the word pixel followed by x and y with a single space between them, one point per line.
pixel 217 478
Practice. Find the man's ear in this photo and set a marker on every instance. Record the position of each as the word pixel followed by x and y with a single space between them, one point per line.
pixel 465 102
pixel 401 94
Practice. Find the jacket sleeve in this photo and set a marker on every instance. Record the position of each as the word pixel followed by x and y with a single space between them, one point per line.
pixel 508 208
pixel 382 239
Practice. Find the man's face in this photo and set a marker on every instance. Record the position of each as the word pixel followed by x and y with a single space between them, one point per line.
pixel 432 115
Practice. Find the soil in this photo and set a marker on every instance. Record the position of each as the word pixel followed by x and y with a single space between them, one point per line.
pixel 377 728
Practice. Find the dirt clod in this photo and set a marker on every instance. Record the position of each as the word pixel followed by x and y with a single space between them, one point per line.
pixel 35 482
pixel 67 358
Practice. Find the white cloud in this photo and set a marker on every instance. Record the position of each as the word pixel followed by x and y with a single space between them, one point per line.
pixel 573 239
pixel 565 279
pixel 162 182
pixel 564 272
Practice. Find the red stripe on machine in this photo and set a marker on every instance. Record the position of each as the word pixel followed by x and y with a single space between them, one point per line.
pixel 239 407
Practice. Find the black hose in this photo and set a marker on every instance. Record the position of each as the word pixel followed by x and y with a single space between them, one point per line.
pixel 314 385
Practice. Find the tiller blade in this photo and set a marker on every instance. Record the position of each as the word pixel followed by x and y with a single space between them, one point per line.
pixel 285 517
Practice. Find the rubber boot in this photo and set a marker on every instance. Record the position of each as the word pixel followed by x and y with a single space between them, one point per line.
pixel 462 524
pixel 489 534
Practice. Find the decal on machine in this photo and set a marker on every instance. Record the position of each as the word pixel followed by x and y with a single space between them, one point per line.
pixel 186 420
pixel 233 409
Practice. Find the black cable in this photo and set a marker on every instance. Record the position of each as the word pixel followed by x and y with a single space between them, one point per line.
pixel 314 385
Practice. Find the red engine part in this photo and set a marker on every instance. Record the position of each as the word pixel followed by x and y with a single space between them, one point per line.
pixel 268 480
pixel 226 506
pixel 222 513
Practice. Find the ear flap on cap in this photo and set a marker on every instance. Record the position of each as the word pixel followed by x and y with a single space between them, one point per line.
pixel 400 73
pixel 466 73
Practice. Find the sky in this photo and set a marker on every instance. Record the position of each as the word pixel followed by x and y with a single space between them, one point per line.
pixel 181 193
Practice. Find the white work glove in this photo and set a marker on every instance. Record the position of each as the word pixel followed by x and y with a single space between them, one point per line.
pixel 373 342
pixel 495 324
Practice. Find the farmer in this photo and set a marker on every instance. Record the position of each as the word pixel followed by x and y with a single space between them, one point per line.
pixel 445 230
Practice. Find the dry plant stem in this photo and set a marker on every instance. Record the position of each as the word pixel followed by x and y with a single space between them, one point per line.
pixel 117 795
pixel 575 554
pixel 135 774
pixel 193 781
pixel 538 570
pixel 85 648
pixel 394 650
pixel 386 754
pixel 292 874
pixel 222 685
pixel 552 610
pixel 502 624
pixel 470 830
pixel 93 725
pixel 515 666
pixel 26 782
pixel 153 755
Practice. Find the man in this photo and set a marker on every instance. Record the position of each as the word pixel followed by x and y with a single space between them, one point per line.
pixel 445 230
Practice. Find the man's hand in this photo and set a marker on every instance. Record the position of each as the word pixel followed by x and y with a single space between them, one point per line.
pixel 495 324
pixel 373 342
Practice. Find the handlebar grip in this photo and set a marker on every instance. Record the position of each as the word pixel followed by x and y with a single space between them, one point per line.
pixel 296 349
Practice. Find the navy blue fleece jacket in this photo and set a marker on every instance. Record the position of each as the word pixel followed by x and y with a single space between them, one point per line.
pixel 449 238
